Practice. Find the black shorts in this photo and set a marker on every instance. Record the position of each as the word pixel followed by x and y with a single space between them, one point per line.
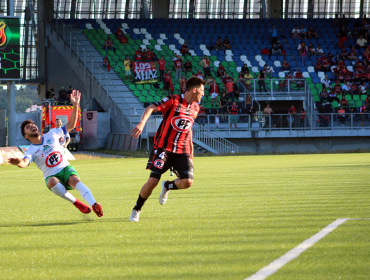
pixel 161 160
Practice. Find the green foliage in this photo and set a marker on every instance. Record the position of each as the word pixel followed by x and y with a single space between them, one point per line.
pixel 25 96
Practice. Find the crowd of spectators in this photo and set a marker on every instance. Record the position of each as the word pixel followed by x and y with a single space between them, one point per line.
pixel 63 97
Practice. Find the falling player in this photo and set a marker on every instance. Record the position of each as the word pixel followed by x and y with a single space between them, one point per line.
pixel 47 152
pixel 173 143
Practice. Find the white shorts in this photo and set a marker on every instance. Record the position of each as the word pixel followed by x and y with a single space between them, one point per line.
pixel 214 95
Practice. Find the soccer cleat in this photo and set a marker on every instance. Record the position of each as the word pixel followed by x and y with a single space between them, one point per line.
pixel 82 207
pixel 135 216
pixel 164 194
pixel 98 209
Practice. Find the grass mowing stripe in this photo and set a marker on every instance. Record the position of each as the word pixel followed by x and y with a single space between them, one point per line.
pixel 295 252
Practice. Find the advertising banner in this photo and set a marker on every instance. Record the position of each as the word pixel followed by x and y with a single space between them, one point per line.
pixel 9 48
pixel 145 72
pixel 10 152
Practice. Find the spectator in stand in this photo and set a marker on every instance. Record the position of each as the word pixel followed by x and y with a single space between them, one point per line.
pixel 326 66
pixel 274 37
pixel 188 67
pixel 341 115
pixel 174 59
pixel 318 65
pixel 362 114
pixel 344 54
pixel 362 32
pixel 154 57
pixel 367 102
pixel 265 51
pixel 323 95
pixel 106 63
pixel 226 79
pixel 167 84
pixel 241 78
pixel 109 45
pixel 202 115
pixel 285 65
pixel 342 42
pixel 311 49
pixel 342 32
pixel 349 32
pixel 162 68
pixel 346 88
pixel 353 54
pixel 362 88
pixel 361 43
pixel 49 93
pixel 302 118
pixel 69 92
pixel 355 33
pixel 319 51
pixel 178 67
pixel 221 71
pixel 303 32
pixel 139 55
pixel 62 96
pixel 267 112
pixel 185 50
pixel 245 68
pixel 224 102
pixel 291 113
pixel 295 33
pixel 303 51
pixel 236 91
pixel 209 80
pixel 353 88
pixel 332 95
pixel 343 102
pixel 233 111
pixel 325 82
pixel 227 43
pixel 205 64
pixel 248 80
pixel 147 55
pixel 336 21
pixel 217 121
pixel 343 20
pixel 312 33
pixel 251 112
pixel 261 80
pixel 248 101
pixel 275 50
pixel 283 53
pixel 299 77
pixel 199 74
pixel 230 89
pixel 219 45
pixel 120 35
pixel 214 91
pixel 182 83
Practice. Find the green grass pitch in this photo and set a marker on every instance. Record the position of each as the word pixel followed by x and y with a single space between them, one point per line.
pixel 242 213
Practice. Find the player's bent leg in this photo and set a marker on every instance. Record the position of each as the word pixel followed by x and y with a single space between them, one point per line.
pixel 57 188
pixel 183 183
pixel 75 182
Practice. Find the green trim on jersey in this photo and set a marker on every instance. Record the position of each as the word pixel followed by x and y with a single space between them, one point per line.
pixel 64 175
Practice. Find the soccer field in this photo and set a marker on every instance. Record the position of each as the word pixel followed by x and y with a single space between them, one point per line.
pixel 241 214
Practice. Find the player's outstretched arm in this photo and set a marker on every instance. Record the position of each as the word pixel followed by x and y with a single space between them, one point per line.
pixel 22 163
pixel 136 131
pixel 75 99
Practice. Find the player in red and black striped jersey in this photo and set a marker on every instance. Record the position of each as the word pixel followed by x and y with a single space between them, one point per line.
pixel 173 143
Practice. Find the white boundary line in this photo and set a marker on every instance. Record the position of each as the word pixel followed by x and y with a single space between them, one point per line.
pixel 295 252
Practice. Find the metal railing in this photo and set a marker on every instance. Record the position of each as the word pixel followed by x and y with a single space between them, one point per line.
pixel 276 87
pixel 70 41
pixel 280 122
pixel 213 140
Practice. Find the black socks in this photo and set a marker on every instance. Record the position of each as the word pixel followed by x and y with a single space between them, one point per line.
pixel 170 185
pixel 139 203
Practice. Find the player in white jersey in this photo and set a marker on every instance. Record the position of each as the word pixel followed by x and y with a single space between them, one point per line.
pixel 67 138
pixel 48 155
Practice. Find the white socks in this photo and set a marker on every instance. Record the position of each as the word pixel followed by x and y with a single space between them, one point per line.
pixel 61 191
pixel 85 193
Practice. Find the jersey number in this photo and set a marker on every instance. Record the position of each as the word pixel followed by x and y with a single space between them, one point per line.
pixel 53 159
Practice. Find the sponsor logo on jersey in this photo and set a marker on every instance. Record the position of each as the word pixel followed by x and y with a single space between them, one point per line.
pixel 165 99
pixel 53 159
pixel 61 139
pixel 45 148
pixel 159 163
pixel 49 141
pixel 182 123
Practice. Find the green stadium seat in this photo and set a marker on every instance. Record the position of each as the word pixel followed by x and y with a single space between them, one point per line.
pixel 157 98
pixel 356 98
pixel 358 104
pixel 150 99
pixel 117 69
pixel 104 36
pixel 152 93
pixel 335 104
pixel 136 92
pixel 142 99
pixel 348 97
pixel 147 87
pixel 363 97
pixel 139 87
pixel 144 93
pixel 132 87
pixel 122 75
pixel 100 31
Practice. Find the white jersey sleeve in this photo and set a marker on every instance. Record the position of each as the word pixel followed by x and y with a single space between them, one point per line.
pixel 49 155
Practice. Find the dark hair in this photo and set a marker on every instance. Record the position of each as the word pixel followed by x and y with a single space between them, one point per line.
pixel 194 82
pixel 26 122
pixel 51 89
